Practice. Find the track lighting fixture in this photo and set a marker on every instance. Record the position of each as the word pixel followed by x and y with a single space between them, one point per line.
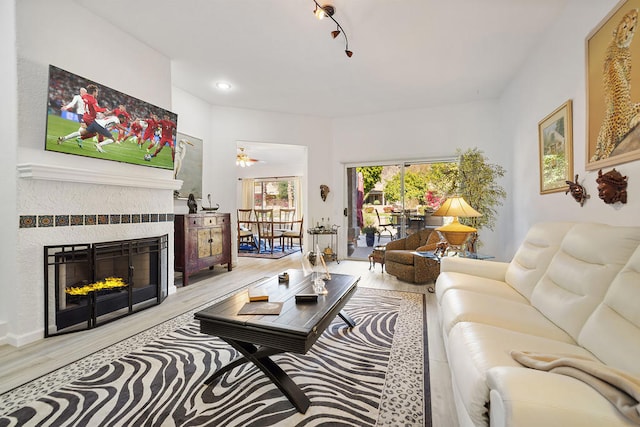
pixel 327 11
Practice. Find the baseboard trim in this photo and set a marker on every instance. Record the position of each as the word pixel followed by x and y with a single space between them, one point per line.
pixel 24 339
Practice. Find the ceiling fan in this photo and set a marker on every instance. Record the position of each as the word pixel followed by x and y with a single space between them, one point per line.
pixel 243 160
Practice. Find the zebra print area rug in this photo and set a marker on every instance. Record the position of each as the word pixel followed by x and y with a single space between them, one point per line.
pixel 373 374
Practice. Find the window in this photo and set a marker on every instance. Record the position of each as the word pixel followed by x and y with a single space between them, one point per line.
pixel 275 193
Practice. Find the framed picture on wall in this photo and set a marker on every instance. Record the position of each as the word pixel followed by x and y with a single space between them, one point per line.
pixel 613 92
pixel 188 165
pixel 556 149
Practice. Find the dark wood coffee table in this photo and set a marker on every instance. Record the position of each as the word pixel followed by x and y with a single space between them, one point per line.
pixel 295 329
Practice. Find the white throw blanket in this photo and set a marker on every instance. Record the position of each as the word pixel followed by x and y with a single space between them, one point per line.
pixel 618 387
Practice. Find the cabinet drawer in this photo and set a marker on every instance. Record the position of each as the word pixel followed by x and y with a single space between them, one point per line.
pixel 208 221
pixel 202 221
pixel 194 221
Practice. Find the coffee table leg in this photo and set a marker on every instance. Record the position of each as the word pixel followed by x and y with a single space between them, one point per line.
pixel 226 368
pixel 260 358
pixel 347 319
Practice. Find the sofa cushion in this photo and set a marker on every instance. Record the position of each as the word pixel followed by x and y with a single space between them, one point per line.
pixel 580 273
pixel 461 305
pixel 452 280
pixel 401 257
pixel 475 275
pixel 534 255
pixel 530 398
pixel 475 348
pixel 612 332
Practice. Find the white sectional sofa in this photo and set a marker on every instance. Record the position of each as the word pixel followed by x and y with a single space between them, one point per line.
pixel 571 291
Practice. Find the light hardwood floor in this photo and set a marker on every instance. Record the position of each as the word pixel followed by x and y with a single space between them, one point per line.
pixel 20 365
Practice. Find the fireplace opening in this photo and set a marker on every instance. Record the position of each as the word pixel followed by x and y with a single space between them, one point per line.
pixel 87 285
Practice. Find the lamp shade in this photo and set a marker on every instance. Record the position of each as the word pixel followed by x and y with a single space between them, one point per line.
pixel 456 206
pixel 456 233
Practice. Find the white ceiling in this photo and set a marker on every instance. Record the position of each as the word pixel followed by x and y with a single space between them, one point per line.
pixel 407 53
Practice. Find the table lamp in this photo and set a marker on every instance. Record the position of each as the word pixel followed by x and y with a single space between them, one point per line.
pixel 456 233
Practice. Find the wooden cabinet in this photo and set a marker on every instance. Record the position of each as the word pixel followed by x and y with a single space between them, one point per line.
pixel 201 241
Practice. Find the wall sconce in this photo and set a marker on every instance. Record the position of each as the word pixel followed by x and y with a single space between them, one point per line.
pixel 327 11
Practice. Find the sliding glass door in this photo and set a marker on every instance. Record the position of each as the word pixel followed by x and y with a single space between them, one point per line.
pixel 390 200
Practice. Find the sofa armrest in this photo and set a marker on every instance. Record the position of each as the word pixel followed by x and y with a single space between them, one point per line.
pixel 495 270
pixel 528 398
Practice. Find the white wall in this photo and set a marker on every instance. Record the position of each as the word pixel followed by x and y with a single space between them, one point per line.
pixel 423 134
pixel 8 111
pixel 554 73
pixel 138 71
pixel 221 127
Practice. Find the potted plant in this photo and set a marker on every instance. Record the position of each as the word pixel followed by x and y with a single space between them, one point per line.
pixel 476 180
pixel 369 230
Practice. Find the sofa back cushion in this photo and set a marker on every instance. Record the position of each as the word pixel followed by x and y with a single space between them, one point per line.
pixel 612 332
pixel 534 255
pixel 580 273
pixel 415 240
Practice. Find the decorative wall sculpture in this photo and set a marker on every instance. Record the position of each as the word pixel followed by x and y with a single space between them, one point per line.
pixel 578 192
pixel 612 187
pixel 324 192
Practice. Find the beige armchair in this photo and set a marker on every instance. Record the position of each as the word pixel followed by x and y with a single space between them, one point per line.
pixel 400 262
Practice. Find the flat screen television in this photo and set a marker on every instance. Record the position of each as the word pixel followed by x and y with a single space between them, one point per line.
pixel 128 130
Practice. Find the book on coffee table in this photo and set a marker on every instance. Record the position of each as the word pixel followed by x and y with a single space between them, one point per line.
pixel 257 295
pixel 261 307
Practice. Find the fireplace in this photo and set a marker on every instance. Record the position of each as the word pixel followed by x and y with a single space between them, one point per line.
pixel 87 285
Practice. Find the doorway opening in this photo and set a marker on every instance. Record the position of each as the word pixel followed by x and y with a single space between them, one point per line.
pixel 388 201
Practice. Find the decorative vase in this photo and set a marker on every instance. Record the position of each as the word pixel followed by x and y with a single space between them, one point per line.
pixel 371 238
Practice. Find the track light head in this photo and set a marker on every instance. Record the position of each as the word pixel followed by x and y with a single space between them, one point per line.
pixel 335 33
pixel 324 11
pixel 349 53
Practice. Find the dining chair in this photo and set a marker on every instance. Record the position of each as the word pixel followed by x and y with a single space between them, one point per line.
pixel 296 232
pixel 266 228
pixel 287 215
pixel 246 224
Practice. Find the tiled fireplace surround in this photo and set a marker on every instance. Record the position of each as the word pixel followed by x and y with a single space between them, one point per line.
pixel 62 205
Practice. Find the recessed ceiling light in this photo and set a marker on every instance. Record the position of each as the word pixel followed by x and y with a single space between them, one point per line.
pixel 223 85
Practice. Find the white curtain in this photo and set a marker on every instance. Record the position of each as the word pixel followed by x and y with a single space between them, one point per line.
pixel 247 193
pixel 298 197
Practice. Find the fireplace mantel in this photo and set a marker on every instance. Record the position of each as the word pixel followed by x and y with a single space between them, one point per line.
pixel 85 176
